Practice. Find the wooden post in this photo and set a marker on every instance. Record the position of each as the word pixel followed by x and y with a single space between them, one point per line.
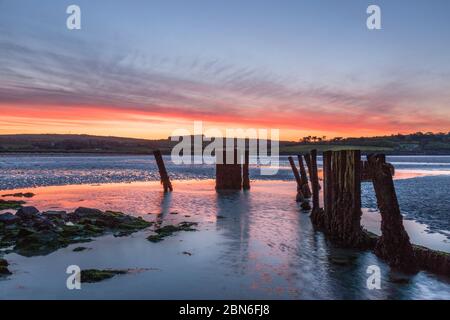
pixel 305 186
pixel 165 181
pixel 317 212
pixel 229 175
pixel 342 191
pixel 308 164
pixel 393 245
pixel 327 191
pixel 300 197
pixel 245 171
pixel 295 171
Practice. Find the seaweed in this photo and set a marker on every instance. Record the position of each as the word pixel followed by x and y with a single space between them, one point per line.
pixel 41 233
pixel 94 275
pixel 169 230
pixel 20 195
pixel 10 204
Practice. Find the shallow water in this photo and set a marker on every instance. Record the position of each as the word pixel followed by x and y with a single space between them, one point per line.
pixel 22 171
pixel 422 182
pixel 250 245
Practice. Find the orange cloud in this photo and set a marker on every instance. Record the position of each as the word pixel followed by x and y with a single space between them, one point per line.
pixel 138 122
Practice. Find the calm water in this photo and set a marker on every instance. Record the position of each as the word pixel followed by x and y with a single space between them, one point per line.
pixel 255 244
pixel 249 245
pixel 28 171
pixel 423 197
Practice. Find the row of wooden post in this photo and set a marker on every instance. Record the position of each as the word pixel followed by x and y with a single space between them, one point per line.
pixel 340 217
pixel 229 176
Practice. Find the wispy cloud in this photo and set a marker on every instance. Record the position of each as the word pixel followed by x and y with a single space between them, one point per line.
pixel 87 84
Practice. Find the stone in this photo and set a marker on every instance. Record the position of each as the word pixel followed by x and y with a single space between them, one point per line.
pixel 10 204
pixel 40 234
pixel 4 271
pixel 305 206
pixel 20 195
pixel 169 230
pixel 79 249
pixel 93 275
pixel 8 218
pixel 56 214
pixel 87 212
pixel 27 213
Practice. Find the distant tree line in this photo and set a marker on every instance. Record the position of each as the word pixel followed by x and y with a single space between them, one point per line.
pixel 419 142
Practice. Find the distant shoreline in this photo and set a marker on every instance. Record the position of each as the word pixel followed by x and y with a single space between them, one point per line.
pixel 413 144
pixel 150 153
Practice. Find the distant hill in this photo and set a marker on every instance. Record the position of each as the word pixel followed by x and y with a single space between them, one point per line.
pixel 417 143
pixel 55 143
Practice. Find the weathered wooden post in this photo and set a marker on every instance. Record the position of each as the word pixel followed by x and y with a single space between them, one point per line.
pixel 305 186
pixel 321 221
pixel 342 202
pixel 245 171
pixel 300 197
pixel 228 175
pixel 307 157
pixel 309 165
pixel 165 181
pixel 317 212
pixel 393 245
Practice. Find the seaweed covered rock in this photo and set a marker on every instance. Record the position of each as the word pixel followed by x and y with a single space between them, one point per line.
pixel 169 230
pixel 20 195
pixel 10 204
pixel 94 275
pixel 32 233
pixel 4 268
pixel 8 218
pixel 27 213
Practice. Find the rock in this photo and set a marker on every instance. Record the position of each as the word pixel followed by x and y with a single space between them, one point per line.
pixel 305 206
pixel 40 234
pixel 187 253
pixel 93 275
pixel 121 234
pixel 79 249
pixel 8 218
pixel 399 278
pixel 10 204
pixel 27 213
pixel 4 268
pixel 168 230
pixel 41 223
pixel 87 212
pixel 56 214
pixel 20 195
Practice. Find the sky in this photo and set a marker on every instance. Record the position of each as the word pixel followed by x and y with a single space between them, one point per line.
pixel 144 68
